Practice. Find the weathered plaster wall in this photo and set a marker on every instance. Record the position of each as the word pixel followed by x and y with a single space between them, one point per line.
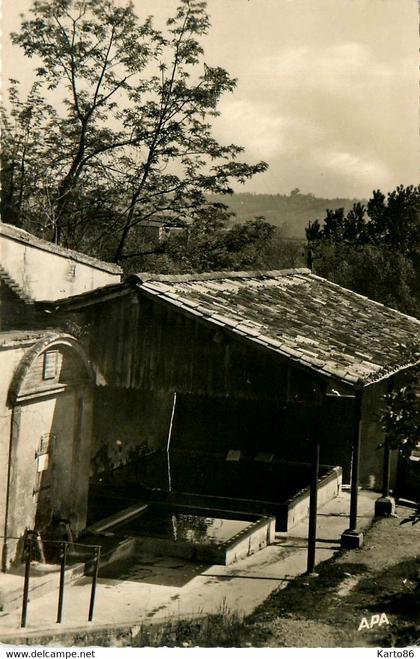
pixel 46 426
pixel 371 458
pixel 66 418
pixel 9 359
pixel 44 275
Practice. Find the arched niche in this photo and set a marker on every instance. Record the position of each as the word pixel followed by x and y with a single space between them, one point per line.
pixel 49 456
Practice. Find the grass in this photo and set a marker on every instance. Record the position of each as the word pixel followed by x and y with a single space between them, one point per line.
pixel 223 629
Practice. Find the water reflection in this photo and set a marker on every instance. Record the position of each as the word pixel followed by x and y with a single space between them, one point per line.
pixel 181 527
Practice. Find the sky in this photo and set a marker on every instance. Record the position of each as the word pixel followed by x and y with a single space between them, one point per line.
pixel 327 90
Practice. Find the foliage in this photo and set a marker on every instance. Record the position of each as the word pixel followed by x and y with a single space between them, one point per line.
pixel 290 212
pixel 224 629
pixel 373 249
pixel 400 418
pixel 210 242
pixel 129 134
pixel 378 273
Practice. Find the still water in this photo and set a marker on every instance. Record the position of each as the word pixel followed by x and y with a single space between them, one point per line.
pixel 181 527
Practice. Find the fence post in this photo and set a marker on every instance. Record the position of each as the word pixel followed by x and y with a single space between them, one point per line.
pixel 94 580
pixel 62 578
pixel 28 544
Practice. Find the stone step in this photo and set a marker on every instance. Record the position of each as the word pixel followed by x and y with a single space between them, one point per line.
pixel 14 286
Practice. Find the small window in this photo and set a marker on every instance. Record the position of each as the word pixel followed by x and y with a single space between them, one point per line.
pixel 264 457
pixel 50 364
pixel 233 456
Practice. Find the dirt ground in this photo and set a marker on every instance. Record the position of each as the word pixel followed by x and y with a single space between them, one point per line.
pixel 383 577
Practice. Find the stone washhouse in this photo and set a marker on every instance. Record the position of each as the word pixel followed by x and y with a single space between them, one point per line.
pixel 209 385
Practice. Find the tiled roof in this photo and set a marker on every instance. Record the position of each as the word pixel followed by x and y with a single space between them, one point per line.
pixel 15 233
pixel 310 320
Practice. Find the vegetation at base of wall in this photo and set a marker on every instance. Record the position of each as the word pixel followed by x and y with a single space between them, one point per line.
pixel 399 419
pixel 224 629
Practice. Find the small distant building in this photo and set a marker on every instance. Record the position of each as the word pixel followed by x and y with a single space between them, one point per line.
pixel 157 231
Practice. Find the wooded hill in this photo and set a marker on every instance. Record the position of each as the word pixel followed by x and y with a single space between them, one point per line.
pixel 291 212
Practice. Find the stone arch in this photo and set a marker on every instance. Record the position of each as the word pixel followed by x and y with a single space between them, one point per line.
pixel 49 456
pixel 46 343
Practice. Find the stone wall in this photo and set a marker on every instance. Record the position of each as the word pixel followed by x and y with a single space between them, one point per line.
pixel 44 272
pixel 9 360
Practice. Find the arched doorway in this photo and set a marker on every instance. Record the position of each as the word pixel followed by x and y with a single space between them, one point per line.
pixel 50 440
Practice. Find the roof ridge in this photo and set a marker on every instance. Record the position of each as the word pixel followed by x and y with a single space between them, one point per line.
pixel 219 274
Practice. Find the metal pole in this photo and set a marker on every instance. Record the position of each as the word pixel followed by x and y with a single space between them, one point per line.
pixel 62 578
pixel 94 580
pixel 355 462
pixel 387 472
pixel 28 557
pixel 386 475
pixel 313 500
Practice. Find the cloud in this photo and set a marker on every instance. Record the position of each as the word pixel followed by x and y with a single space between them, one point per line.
pixel 340 69
pixel 327 91
pixel 334 118
pixel 354 169
pixel 255 124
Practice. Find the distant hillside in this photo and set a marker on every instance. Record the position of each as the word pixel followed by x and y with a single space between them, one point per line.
pixel 291 212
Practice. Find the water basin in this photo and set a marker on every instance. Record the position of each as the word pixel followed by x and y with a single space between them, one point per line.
pixel 197 535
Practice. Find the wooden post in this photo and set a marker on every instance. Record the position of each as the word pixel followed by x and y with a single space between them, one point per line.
pixel 355 466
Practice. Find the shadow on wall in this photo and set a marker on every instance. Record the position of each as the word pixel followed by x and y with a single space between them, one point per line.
pixel 50 445
pixel 128 425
